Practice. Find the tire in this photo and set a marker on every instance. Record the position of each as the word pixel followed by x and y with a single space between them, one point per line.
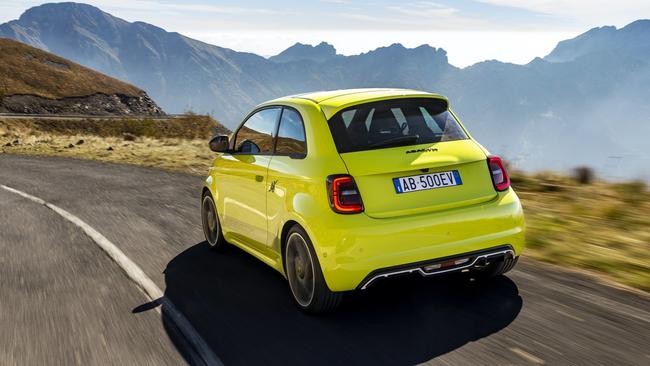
pixel 306 281
pixel 496 269
pixel 210 222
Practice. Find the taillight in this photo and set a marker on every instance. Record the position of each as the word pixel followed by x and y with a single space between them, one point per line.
pixel 343 194
pixel 500 177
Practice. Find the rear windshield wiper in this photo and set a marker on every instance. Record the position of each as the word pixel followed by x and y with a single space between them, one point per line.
pixel 395 141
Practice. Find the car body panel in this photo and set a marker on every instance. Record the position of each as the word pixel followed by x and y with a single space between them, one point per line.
pixel 374 171
pixel 357 244
pixel 330 102
pixel 241 179
pixel 349 247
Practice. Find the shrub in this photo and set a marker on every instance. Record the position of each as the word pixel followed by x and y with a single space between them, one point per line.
pixel 185 127
pixel 584 175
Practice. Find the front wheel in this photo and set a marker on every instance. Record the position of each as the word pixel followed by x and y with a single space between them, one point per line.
pixel 211 224
pixel 306 280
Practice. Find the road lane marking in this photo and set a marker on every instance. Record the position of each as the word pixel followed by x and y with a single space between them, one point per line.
pixel 527 356
pixel 137 275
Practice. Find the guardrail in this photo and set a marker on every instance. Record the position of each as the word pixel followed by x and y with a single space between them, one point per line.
pixel 82 116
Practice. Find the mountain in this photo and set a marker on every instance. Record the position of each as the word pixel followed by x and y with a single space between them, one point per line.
pixel 632 38
pixel 34 81
pixel 586 103
pixel 182 73
pixel 300 52
pixel 178 72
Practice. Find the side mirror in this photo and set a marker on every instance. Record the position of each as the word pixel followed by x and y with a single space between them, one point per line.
pixel 220 144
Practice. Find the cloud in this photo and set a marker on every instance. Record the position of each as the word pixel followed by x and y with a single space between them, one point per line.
pixel 424 9
pixel 11 9
pixel 336 1
pixel 149 5
pixel 582 12
pixel 423 15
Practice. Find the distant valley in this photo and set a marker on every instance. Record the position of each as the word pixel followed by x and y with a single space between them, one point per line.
pixel 586 103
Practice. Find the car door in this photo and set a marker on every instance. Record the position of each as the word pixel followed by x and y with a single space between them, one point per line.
pixel 286 174
pixel 242 176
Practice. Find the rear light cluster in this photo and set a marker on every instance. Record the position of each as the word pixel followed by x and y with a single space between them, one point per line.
pixel 343 194
pixel 500 177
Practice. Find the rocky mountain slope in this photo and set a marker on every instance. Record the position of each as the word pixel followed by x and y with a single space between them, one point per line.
pixel 585 103
pixel 37 82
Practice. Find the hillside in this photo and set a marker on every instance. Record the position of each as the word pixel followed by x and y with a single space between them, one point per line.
pixel 35 81
pixel 587 100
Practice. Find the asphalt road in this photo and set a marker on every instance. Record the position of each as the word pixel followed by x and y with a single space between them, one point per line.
pixel 63 301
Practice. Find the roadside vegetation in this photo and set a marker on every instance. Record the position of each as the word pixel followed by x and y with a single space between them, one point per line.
pixel 577 221
pixel 598 226
pixel 25 70
pixel 177 144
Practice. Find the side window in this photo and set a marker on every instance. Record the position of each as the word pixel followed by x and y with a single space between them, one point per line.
pixel 256 135
pixel 348 116
pixel 291 134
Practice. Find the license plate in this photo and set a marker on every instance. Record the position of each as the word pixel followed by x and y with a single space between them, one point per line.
pixel 423 182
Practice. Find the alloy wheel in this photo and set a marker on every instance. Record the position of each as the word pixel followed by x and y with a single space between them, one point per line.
pixel 300 269
pixel 210 221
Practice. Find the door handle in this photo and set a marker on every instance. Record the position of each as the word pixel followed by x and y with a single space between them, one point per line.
pixel 259 178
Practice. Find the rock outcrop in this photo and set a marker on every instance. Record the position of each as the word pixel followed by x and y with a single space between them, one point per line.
pixel 96 105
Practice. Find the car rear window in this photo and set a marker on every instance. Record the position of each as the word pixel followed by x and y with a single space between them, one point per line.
pixel 395 122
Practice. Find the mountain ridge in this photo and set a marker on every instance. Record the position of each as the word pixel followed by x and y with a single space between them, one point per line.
pixel 303 52
pixel 533 113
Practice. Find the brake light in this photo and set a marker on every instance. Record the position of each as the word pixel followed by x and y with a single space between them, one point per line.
pixel 500 177
pixel 343 194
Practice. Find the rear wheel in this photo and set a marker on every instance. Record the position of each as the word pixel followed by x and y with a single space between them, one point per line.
pixel 305 277
pixel 496 268
pixel 210 221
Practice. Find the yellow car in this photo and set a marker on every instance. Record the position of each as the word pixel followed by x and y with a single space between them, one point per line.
pixel 338 190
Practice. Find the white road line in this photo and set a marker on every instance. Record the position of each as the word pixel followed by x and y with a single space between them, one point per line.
pixel 135 273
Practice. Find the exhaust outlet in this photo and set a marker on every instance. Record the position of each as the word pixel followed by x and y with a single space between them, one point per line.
pixel 481 262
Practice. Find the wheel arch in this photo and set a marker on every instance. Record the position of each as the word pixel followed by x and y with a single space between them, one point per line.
pixel 204 191
pixel 210 187
pixel 284 232
pixel 283 240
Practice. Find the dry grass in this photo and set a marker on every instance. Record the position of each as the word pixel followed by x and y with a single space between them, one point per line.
pixel 602 227
pixel 28 70
pixel 178 144
pixel 188 127
pixel 192 156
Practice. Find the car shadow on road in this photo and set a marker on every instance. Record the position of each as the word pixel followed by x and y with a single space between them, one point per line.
pixel 244 311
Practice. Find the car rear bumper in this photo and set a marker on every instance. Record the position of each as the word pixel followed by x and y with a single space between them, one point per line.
pixel 432 267
pixel 360 247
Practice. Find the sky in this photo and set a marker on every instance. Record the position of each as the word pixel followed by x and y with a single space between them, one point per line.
pixel 469 30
